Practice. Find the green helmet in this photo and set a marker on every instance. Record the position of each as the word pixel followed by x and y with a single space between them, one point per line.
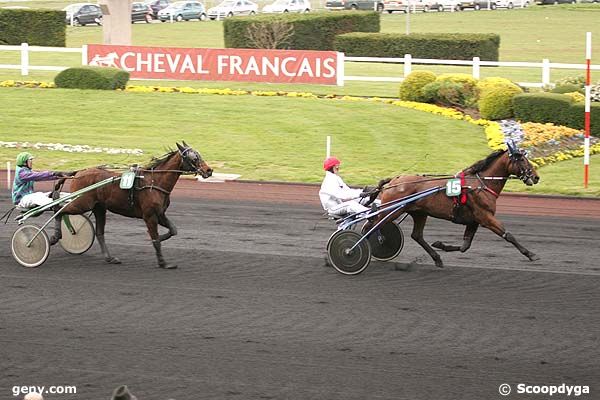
pixel 23 157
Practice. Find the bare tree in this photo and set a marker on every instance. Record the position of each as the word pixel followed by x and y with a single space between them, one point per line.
pixel 275 35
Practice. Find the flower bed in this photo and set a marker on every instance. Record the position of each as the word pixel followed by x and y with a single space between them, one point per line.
pixel 70 148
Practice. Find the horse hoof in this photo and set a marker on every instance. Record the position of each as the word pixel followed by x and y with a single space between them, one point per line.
pixel 54 240
pixel 533 257
pixel 168 266
pixel 112 260
pixel 439 264
pixel 438 245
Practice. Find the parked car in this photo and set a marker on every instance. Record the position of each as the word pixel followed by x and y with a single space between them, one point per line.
pixel 510 4
pixel 83 14
pixel 229 8
pixel 448 5
pixel 354 5
pixel 183 11
pixel 478 4
pixel 284 6
pixel 141 12
pixel 414 5
pixel 157 5
pixel 543 2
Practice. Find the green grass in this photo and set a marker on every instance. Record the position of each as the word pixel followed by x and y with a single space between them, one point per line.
pixel 553 32
pixel 266 138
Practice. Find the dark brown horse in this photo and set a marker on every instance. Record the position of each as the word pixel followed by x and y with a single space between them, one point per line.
pixel 484 182
pixel 148 200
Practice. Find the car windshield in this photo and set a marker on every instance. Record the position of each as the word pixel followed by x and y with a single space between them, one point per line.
pixel 178 4
pixel 73 7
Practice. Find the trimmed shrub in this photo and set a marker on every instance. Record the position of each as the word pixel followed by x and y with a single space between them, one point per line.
pixel 555 108
pixel 567 88
pixel 445 46
pixel 36 27
pixel 492 83
pixel 449 93
pixel 92 78
pixel 497 102
pixel 411 89
pixel 312 31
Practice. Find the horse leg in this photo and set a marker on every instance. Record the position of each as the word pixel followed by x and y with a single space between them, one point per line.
pixel 57 235
pixel 467 240
pixel 100 216
pixel 152 225
pixel 419 221
pixel 498 228
pixel 166 222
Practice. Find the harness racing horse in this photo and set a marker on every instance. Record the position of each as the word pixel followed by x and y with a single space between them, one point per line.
pixel 489 174
pixel 149 199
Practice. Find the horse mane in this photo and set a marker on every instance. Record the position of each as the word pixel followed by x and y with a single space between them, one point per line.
pixel 481 165
pixel 156 161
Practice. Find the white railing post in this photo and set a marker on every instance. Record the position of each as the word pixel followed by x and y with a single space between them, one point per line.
pixel 171 17
pixel 545 71
pixel 84 54
pixel 8 180
pixel 407 65
pixel 374 6
pixel 24 59
pixel 476 67
pixel 328 146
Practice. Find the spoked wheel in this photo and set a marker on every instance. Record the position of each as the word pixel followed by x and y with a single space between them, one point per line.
pixel 344 260
pixel 30 246
pixel 77 234
pixel 386 242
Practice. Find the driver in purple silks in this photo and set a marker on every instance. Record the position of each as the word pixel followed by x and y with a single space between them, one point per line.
pixel 23 194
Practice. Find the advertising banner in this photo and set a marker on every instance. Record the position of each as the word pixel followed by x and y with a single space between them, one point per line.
pixel 241 65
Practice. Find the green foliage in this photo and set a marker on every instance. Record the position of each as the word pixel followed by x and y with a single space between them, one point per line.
pixel 452 90
pixel 571 80
pixel 448 93
pixel 36 27
pixel 555 108
pixel 312 31
pixel 497 102
pixel 567 88
pixel 576 96
pixel 92 78
pixel 444 46
pixel 411 89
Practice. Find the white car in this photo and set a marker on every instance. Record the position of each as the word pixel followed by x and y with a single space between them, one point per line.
pixel 511 3
pixel 285 6
pixel 229 8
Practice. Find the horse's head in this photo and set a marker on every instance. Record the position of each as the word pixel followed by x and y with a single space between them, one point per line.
pixel 519 165
pixel 192 161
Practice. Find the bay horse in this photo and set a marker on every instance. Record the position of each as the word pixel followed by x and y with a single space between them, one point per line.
pixel 489 177
pixel 148 200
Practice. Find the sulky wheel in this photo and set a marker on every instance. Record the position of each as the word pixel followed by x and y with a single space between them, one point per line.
pixel 343 260
pixel 386 242
pixel 30 246
pixel 77 234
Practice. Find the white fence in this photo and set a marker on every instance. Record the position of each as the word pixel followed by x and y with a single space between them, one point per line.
pixel 476 64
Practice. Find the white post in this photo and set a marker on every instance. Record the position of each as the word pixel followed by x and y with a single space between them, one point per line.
pixel 489 5
pixel 24 59
pixel 407 65
pixel 84 54
pixel 71 18
pixel 545 72
pixel 374 6
pixel 476 67
pixel 328 146
pixel 587 118
pixel 171 17
pixel 341 75
pixel 408 18
pixel 8 180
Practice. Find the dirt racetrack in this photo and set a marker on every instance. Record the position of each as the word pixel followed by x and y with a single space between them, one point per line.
pixel 252 313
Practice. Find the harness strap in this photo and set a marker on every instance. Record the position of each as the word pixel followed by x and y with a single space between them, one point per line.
pixel 463 191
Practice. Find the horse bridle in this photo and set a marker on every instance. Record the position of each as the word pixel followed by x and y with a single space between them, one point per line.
pixel 186 161
pixel 525 173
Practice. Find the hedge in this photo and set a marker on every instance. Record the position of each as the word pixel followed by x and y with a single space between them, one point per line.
pixel 310 31
pixel 442 46
pixel 555 108
pixel 36 27
pixel 92 78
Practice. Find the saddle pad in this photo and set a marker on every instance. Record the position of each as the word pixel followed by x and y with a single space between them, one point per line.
pixel 127 179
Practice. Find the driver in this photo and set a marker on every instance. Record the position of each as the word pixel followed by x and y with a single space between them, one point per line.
pixel 23 194
pixel 336 197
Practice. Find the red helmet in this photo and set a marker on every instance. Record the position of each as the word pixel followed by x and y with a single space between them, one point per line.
pixel 330 162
